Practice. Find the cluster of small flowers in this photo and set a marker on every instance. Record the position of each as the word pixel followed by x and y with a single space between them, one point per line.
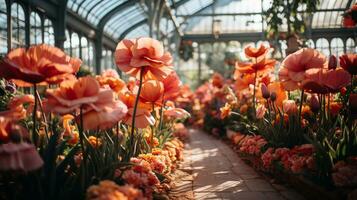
pixel 345 172
pixel 295 160
pixel 161 161
pixel 252 144
pixel 110 190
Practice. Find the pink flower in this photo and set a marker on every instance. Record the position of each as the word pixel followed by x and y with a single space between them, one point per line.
pixel 19 156
pixel 289 107
pixel 324 81
pixel 143 53
pixel 176 113
pixel 294 66
pixel 260 111
pixel 267 157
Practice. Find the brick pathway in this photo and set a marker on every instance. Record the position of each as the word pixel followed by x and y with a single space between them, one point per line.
pixel 220 174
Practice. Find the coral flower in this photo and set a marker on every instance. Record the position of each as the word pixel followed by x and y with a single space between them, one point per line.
pixel 217 80
pixel 243 80
pixel 106 117
pixel 324 81
pixel 260 111
pixel 152 91
pixel 37 65
pixel 280 93
pixel 10 130
pixel 255 52
pixel 172 86
pixel 143 112
pixel 116 84
pixel 226 111
pixel 110 73
pixel 19 156
pixel 176 113
pixel 73 94
pixel 16 107
pixel 262 64
pixel 349 63
pixel 289 107
pixel 144 54
pixel 294 66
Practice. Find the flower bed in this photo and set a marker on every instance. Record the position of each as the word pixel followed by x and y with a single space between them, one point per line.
pixel 299 123
pixel 68 136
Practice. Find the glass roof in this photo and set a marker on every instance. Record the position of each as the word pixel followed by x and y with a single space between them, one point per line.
pixel 197 16
pixel 124 20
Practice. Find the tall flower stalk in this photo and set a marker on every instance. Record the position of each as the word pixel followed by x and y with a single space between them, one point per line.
pixel 135 109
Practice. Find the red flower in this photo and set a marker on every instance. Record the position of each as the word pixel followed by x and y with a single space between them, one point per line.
pixel 349 63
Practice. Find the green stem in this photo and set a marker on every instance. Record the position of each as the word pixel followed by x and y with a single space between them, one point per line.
pixel 135 108
pixel 301 102
pixel 152 130
pixel 81 138
pixel 255 83
pixel 34 133
pixel 43 114
pixel 162 112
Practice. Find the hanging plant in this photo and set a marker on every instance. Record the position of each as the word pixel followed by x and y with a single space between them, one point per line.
pixel 289 13
pixel 186 50
pixel 350 17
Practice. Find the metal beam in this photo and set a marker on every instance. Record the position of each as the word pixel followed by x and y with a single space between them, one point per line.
pixel 327 33
pixel 114 11
pixel 173 18
pixel 122 36
pixel 197 14
pixel 178 4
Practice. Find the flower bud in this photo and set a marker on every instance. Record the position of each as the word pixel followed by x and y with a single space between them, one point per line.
pixel 332 62
pixel 314 104
pixel 353 102
pixel 273 96
pixel 265 91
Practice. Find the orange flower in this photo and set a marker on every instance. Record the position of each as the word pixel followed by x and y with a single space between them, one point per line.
pixel 105 118
pixel 39 64
pixel 73 94
pixel 294 66
pixel 172 86
pixel 217 80
pixel 100 110
pixel 349 63
pixel 262 64
pixel 243 80
pixel 255 52
pixel 335 108
pixel 279 91
pixel 143 112
pixel 9 130
pixel 226 111
pixel 152 91
pixel 116 84
pixel 110 73
pixel 16 107
pixel 143 53
pixel 324 81
pixel 94 141
pixel 243 109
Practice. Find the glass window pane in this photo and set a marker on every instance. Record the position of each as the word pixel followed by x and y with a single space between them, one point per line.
pixel 49 34
pixel 337 47
pixel 84 44
pixel 75 45
pixel 3 28
pixel 323 46
pixel 18 26
pixel 67 43
pixel 350 46
pixel 35 29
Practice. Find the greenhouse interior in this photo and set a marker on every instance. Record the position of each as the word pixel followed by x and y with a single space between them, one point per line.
pixel 178 99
